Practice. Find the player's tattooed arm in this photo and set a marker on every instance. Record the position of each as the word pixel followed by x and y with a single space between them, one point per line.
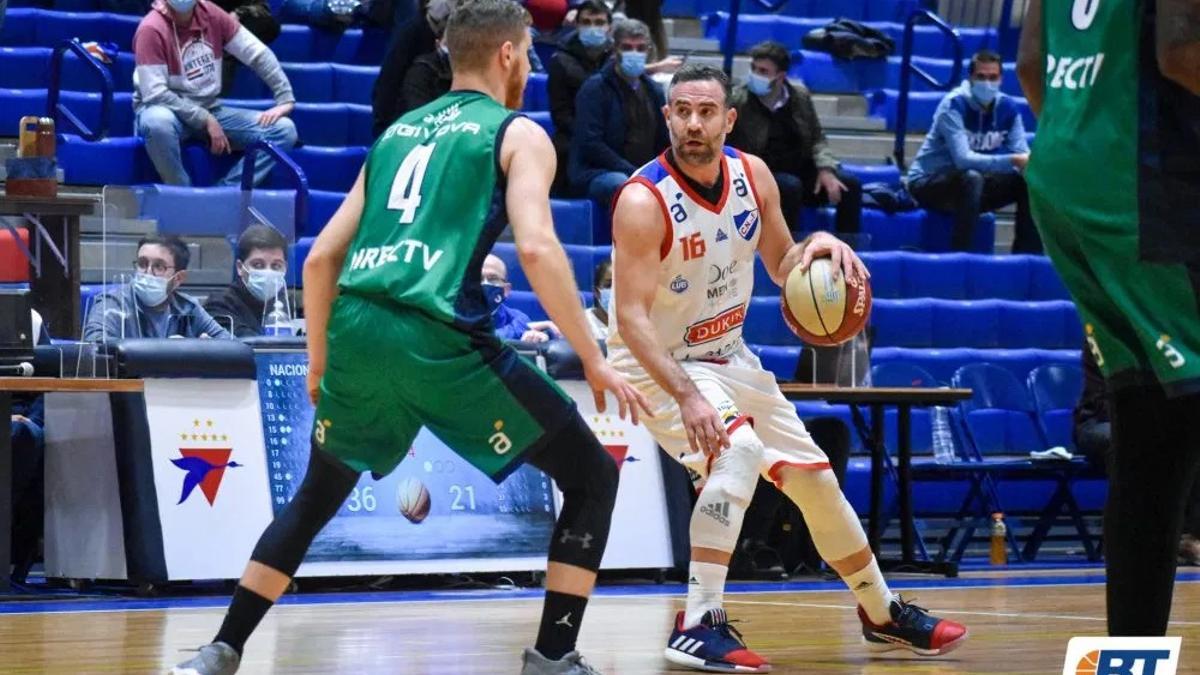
pixel 1177 29
pixel 1031 57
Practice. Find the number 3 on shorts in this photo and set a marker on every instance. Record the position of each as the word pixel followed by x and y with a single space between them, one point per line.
pixel 406 187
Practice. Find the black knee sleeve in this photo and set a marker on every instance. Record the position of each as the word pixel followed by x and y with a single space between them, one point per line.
pixel 326 485
pixel 587 476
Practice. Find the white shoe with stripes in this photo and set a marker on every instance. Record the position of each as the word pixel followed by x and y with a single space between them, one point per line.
pixel 713 646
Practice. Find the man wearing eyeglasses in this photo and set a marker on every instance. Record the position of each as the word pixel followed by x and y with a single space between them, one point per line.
pixel 973 159
pixel 151 305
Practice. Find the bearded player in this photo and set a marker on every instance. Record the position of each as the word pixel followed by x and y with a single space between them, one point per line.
pixel 408 341
pixel 685 229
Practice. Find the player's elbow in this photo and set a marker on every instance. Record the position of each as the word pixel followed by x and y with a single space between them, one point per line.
pixel 534 252
pixel 1181 64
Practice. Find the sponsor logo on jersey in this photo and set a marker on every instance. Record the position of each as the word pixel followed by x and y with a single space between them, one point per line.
pixel 746 223
pixel 377 256
pixel 713 328
pixel 446 115
pixel 500 441
pixel 1174 358
pixel 1093 346
pixel 719 273
pixel 1078 72
pixel 721 236
pixel 679 284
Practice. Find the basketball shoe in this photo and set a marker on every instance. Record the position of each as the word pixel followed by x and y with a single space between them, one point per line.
pixel 533 663
pixel 912 628
pixel 217 658
pixel 712 645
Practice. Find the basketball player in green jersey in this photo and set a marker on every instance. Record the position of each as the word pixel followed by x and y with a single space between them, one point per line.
pixel 408 342
pixel 1114 182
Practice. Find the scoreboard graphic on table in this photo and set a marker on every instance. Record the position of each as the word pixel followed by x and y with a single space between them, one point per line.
pixel 434 506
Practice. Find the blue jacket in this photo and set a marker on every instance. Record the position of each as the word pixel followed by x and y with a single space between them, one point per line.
pixel 510 323
pixel 118 314
pixel 965 136
pixel 599 137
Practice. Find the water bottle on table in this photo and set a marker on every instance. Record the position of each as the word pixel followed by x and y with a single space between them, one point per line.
pixel 278 321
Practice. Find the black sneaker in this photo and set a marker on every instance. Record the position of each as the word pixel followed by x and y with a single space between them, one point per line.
pixel 912 628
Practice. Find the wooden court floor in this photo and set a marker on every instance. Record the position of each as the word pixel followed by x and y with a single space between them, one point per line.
pixel 1014 629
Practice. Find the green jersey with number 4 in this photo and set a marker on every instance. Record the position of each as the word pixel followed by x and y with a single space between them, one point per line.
pixel 434 206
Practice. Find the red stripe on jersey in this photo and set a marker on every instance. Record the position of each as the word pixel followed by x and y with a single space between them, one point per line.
pixel 749 177
pixel 773 473
pixel 664 248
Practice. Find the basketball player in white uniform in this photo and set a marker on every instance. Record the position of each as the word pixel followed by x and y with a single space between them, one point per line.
pixel 685 229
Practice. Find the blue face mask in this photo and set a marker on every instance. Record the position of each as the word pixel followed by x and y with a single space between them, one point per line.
pixel 494 296
pixel 605 297
pixel 181 6
pixel 759 85
pixel 983 91
pixel 633 64
pixel 593 36
pixel 151 291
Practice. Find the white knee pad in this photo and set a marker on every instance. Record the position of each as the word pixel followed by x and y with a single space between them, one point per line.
pixel 717 519
pixel 834 525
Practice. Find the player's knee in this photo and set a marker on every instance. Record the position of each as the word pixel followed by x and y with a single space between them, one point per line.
pixel 600 474
pixel 717 519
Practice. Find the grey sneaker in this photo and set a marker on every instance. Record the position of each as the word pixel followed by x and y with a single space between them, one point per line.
pixel 570 664
pixel 217 658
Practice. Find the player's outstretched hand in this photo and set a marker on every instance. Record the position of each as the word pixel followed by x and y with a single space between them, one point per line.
pixel 705 428
pixel 602 378
pixel 843 257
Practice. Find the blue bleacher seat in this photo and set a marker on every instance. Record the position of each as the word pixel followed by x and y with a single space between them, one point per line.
pixel 294 44
pixel 1048 325
pixel 906 375
pixel 902 323
pixel 311 82
pixel 322 123
pixel 298 255
pixel 824 74
pixel 779 359
pixel 1056 390
pixel 882 103
pixel 886 268
pixel 572 220
pixel 20 27
pixel 999 415
pixel 527 302
pixel 580 256
pixel 942 363
pixel 111 161
pixel 900 374
pixel 874 173
pixel 24 67
pixel 353 84
pixel 940 69
pixel 337 47
pixel 321 206
pixel 211 211
pixel 17 103
pixel 764 324
pixel 360 118
pixel 970 323
pixel 86 106
pixel 936 276
pixel 892 232
pixel 1001 277
pixel 326 168
pixel 537 97
pixel 936 227
pixel 1045 282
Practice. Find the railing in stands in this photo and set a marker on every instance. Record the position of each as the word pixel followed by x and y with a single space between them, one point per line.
pixel 908 68
pixel 57 110
pixel 735 8
pixel 294 173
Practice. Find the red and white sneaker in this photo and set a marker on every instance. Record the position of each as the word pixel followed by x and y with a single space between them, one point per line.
pixel 912 628
pixel 713 646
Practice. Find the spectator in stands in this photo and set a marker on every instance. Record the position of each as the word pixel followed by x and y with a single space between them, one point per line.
pixel 28 462
pixel 579 57
pixel 428 78
pixel 255 16
pixel 510 323
pixel 1093 438
pixel 152 305
pixel 619 123
pixel 418 35
pixel 597 314
pixel 777 121
pixel 974 155
pixel 179 47
pixel 261 277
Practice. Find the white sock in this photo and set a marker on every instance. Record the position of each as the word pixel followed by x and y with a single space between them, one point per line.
pixel 706 590
pixel 872 592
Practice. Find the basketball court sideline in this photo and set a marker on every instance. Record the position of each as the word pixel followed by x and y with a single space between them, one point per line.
pixel 1020 622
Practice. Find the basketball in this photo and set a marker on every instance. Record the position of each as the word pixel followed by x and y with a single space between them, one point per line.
pixel 412 498
pixel 823 311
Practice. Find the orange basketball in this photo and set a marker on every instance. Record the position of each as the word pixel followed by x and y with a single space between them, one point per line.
pixel 412 499
pixel 823 311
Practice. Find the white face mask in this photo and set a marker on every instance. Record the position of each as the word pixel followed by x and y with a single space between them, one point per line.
pixel 264 284
pixel 151 291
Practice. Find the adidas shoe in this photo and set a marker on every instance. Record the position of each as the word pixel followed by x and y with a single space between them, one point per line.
pixel 713 646
pixel 912 628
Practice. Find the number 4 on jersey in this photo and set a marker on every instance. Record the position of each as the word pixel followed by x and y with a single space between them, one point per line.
pixel 406 187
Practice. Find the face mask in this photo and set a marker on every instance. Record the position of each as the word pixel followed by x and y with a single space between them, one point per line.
pixel 151 291
pixel 494 295
pixel 983 91
pixel 264 284
pixel 633 64
pixel 759 85
pixel 181 6
pixel 605 296
pixel 593 36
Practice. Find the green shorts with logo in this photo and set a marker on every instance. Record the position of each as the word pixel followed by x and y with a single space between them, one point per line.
pixel 1141 319
pixel 392 370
